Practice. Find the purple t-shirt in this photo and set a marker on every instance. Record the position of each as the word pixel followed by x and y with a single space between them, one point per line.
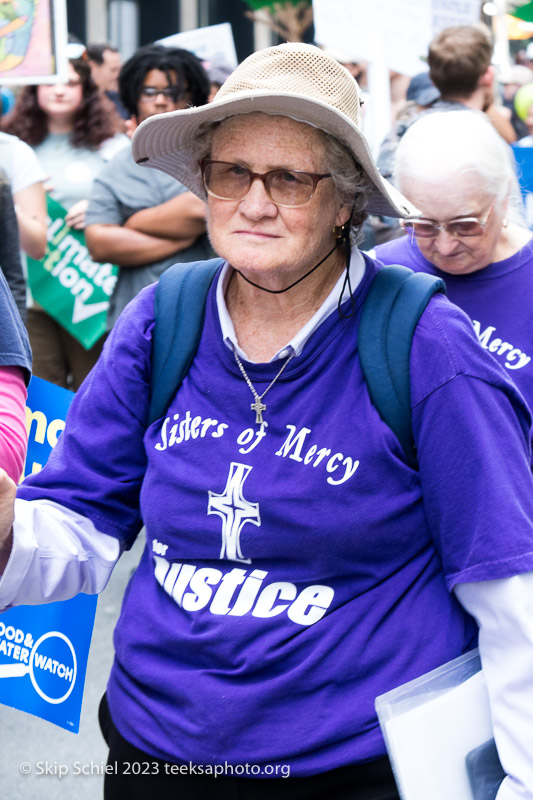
pixel 294 572
pixel 497 299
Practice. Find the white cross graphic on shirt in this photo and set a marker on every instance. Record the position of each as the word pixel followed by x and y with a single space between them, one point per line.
pixel 234 511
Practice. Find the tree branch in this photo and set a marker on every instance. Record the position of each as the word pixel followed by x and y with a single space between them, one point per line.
pixel 287 20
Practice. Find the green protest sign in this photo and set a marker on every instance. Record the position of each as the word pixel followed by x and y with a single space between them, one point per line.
pixel 68 284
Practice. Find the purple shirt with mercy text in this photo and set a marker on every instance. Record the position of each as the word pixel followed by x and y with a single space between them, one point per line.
pixel 295 571
pixel 496 298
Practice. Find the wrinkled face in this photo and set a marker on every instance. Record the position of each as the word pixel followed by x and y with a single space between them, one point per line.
pixel 60 101
pixel 444 200
pixel 254 234
pixel 105 75
pixel 158 95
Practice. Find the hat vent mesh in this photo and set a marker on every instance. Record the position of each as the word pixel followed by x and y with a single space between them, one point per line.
pixel 296 69
pixel 295 80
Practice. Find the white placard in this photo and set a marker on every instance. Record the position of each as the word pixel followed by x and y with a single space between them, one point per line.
pixel 213 43
pixel 354 26
pixel 348 26
pixel 406 35
pixel 351 27
pixel 455 12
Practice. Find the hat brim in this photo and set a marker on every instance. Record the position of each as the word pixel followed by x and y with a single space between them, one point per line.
pixel 169 141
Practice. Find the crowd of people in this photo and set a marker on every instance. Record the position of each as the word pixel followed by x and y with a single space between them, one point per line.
pixel 300 560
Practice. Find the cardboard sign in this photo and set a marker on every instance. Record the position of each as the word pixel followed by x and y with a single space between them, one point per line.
pixel 44 649
pixel 68 284
pixel 33 37
pixel 455 12
pixel 384 29
pixel 214 43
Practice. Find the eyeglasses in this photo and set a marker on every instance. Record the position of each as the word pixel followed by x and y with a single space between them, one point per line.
pixel 285 187
pixel 171 92
pixel 458 228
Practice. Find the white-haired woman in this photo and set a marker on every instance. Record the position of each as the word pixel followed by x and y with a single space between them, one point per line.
pixel 460 174
pixel 296 564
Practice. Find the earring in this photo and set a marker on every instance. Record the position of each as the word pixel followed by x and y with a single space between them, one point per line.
pixel 339 231
pixel 505 222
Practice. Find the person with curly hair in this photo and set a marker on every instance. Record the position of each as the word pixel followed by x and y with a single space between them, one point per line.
pixel 73 132
pixel 140 220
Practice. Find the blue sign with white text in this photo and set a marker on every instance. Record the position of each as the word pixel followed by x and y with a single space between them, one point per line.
pixel 524 162
pixel 44 649
pixel 46 411
pixel 43 658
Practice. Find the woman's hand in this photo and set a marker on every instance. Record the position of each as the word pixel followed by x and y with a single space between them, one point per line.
pixel 76 216
pixel 7 515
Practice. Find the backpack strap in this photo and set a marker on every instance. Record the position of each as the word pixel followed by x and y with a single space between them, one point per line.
pixel 179 312
pixel 392 309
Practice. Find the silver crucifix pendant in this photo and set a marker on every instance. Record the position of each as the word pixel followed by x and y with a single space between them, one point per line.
pixel 258 407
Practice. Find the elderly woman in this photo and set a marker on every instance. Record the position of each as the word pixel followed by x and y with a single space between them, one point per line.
pixel 296 565
pixel 460 174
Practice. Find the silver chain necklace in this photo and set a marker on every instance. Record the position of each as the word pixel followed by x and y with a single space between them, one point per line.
pixel 258 406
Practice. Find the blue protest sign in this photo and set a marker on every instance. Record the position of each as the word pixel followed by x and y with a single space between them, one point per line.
pixel 524 163
pixel 44 649
pixel 46 410
pixel 43 658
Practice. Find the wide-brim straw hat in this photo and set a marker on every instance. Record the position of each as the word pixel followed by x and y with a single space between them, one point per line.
pixel 293 80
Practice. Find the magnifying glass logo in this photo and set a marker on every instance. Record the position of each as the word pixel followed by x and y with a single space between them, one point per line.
pixel 18 669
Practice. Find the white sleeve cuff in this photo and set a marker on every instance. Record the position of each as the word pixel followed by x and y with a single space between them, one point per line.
pixel 503 610
pixel 56 554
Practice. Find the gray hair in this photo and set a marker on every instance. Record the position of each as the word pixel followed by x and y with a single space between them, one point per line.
pixel 444 143
pixel 352 184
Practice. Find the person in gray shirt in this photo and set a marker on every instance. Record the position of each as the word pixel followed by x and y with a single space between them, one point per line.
pixel 142 220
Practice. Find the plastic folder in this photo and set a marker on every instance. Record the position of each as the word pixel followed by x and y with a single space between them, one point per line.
pixel 438 734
